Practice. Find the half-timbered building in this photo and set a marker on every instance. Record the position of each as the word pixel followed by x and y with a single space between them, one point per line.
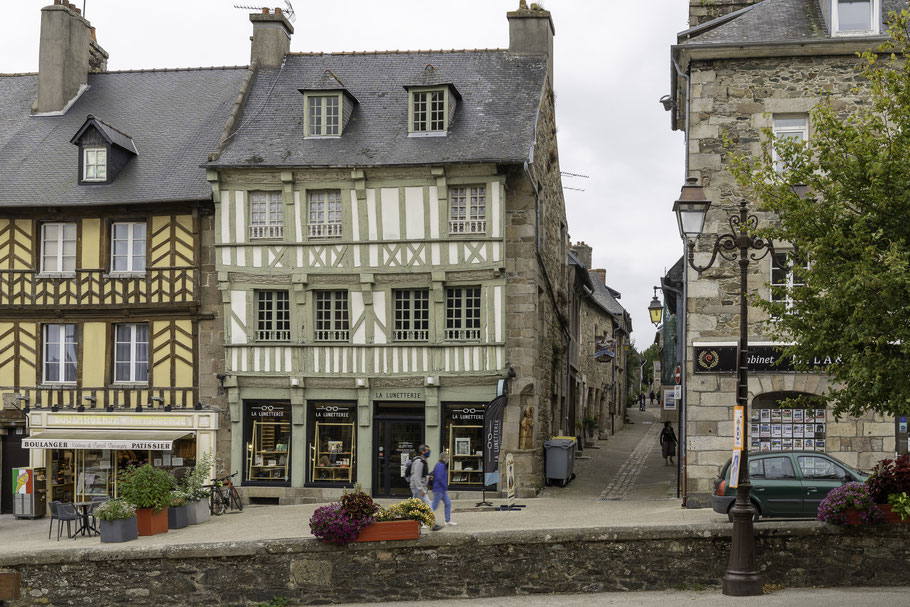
pixel 105 252
pixel 391 250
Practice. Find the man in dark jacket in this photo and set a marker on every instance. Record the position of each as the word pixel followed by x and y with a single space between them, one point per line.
pixel 668 443
pixel 420 471
pixel 652 398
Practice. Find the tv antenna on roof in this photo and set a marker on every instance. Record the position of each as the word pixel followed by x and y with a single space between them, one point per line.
pixel 288 11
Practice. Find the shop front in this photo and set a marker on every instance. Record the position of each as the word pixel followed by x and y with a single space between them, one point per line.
pixel 399 428
pixel 267 441
pixel 463 437
pixel 84 453
pixel 332 443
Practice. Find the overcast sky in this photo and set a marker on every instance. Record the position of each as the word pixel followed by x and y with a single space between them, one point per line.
pixel 611 67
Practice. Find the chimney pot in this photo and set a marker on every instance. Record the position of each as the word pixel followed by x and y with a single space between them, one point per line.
pixel 265 10
pixel 277 11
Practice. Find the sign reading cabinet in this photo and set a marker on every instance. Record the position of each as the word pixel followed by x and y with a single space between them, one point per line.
pixel 722 359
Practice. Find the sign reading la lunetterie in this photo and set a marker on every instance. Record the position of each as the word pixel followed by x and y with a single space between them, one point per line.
pixel 722 359
pixel 399 394
pixel 67 443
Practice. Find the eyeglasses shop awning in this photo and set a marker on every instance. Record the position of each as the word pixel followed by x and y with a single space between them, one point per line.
pixel 136 440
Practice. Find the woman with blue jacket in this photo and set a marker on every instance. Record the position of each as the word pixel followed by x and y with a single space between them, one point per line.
pixel 441 489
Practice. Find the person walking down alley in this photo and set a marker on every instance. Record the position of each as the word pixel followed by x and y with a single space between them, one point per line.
pixel 668 443
pixel 441 490
pixel 641 401
pixel 652 398
pixel 420 470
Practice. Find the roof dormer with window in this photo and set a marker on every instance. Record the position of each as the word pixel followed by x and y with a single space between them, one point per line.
pixel 853 17
pixel 431 104
pixel 328 105
pixel 103 151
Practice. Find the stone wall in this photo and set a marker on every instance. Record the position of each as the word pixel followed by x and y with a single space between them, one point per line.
pixel 737 99
pixel 455 566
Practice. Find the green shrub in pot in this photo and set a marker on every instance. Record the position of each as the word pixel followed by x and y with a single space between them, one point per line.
pixel 146 487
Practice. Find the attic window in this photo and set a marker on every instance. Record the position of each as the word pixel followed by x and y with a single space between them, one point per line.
pixel 855 17
pixel 323 115
pixel 94 163
pixel 428 110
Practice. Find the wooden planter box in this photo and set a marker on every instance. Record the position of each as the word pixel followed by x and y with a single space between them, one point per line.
pixel 390 530
pixel 151 522
pixel 119 530
pixel 890 515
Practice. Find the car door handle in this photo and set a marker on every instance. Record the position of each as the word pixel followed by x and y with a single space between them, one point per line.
pixel 811 489
pixel 758 488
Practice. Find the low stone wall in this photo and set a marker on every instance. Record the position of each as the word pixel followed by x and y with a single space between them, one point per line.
pixel 454 565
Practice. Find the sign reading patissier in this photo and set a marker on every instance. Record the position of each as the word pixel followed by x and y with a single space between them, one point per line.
pixel 67 443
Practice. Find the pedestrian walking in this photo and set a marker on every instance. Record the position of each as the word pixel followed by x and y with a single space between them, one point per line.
pixel 652 398
pixel 420 470
pixel 668 443
pixel 441 490
pixel 641 401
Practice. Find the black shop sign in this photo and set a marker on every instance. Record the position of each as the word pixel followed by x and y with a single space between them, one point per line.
pixel 722 359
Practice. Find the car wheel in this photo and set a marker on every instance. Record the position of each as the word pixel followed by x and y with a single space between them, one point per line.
pixel 755 516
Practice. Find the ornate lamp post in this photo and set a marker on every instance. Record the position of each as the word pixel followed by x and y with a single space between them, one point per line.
pixel 655 309
pixel 741 577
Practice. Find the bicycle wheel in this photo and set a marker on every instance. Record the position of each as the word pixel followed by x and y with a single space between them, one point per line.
pixel 236 502
pixel 217 503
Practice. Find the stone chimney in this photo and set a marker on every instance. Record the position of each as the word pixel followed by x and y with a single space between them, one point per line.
pixel 583 253
pixel 531 32
pixel 63 56
pixel 701 11
pixel 97 56
pixel 601 274
pixel 271 37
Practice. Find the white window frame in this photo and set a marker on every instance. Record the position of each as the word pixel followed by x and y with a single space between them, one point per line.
pixel 324 222
pixel 61 241
pixel 421 121
pixel 789 280
pixel 272 228
pixel 468 209
pixel 60 346
pixel 411 309
pixel 324 128
pixel 134 362
pixel 273 315
pixel 94 157
pixel 874 20
pixel 463 322
pixel 332 316
pixel 788 130
pixel 132 243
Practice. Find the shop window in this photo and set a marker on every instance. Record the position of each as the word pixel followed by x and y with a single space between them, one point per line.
pixel 333 443
pixel 268 443
pixel 463 313
pixel 412 315
pixel 464 440
pixel 131 353
pixel 60 347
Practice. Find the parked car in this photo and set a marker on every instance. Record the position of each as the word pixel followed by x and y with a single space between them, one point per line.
pixel 785 483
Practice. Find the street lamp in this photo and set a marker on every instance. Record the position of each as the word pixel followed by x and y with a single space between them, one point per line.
pixel 741 577
pixel 655 309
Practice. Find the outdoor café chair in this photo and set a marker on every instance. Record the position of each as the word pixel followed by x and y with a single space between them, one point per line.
pixel 53 506
pixel 66 513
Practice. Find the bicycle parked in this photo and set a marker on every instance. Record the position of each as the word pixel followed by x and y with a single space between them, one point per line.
pixel 224 495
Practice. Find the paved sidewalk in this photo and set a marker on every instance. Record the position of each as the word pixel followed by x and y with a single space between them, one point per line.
pixel 623 483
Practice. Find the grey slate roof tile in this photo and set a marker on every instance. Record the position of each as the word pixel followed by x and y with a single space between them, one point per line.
pixel 772 21
pixel 494 121
pixel 174 117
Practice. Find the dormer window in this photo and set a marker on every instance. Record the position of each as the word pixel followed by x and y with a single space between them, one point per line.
pixel 428 111
pixel 855 17
pixel 323 115
pixel 94 163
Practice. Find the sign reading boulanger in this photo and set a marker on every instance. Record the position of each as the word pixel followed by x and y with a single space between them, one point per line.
pixel 64 443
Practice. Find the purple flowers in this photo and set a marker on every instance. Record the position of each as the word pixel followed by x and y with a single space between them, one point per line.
pixel 850 496
pixel 334 525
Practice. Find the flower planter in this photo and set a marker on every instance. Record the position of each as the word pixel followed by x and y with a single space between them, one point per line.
pixel 198 512
pixel 177 517
pixel 119 530
pixel 390 530
pixel 890 515
pixel 151 522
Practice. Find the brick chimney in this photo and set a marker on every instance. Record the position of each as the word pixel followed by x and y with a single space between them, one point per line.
pixel 701 11
pixel 583 252
pixel 63 56
pixel 531 32
pixel 271 37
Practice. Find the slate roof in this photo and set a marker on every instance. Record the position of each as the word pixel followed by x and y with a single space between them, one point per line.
pixel 112 135
pixel 175 118
pixel 770 21
pixel 494 120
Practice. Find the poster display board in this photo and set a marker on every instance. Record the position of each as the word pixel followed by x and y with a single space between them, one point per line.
pixel 785 429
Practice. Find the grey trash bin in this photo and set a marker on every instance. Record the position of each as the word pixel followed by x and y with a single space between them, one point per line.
pixel 560 456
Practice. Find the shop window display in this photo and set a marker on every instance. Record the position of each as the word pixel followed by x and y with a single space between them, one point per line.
pixel 786 429
pixel 333 443
pixel 464 440
pixel 268 444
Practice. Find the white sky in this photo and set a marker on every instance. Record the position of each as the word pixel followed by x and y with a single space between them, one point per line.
pixel 611 67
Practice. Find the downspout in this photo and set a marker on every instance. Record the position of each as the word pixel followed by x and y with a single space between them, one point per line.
pixel 688 80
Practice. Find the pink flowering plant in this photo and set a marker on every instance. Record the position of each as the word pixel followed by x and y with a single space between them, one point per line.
pixel 849 496
pixel 335 525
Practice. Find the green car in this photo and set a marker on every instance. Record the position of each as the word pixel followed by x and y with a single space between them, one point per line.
pixel 785 483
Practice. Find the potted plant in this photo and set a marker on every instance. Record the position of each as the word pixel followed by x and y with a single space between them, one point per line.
pixel 177 511
pixel 117 520
pixel 399 521
pixel 849 504
pixel 333 525
pixel 194 485
pixel 900 506
pixel 149 490
pixel 889 479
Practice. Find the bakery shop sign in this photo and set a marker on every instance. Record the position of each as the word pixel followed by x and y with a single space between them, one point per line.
pixel 722 359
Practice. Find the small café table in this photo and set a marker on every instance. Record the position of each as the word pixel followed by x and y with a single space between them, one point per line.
pixel 86 528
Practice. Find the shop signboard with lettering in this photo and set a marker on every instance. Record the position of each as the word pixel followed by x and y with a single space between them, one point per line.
pixel 397 394
pixel 767 359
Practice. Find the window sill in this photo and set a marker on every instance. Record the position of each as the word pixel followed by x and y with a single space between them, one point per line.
pixel 50 385
pixel 124 275
pixel 128 384
pixel 467 234
pixel 56 275
pixel 429 134
pixel 322 137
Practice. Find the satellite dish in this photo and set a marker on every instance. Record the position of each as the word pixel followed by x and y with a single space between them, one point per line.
pixel 288 11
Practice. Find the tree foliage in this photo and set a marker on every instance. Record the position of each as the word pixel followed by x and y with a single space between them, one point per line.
pixel 852 222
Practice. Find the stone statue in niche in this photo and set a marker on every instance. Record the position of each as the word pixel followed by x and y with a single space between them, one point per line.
pixel 526 434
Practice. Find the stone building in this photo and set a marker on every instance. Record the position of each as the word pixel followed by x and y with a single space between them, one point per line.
pixel 391 251
pixel 106 243
pixel 759 65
